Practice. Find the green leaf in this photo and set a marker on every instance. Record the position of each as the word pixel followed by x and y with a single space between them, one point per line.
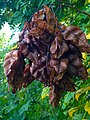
pixel 24 108
pixel 10 108
pixel 68 97
pixel 78 117
pixel 2 5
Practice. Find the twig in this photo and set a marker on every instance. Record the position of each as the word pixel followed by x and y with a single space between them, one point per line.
pixel 72 5
pixel 74 19
pixel 77 9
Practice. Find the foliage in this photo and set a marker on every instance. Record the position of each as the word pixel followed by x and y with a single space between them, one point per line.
pixel 28 104
pixel 74 12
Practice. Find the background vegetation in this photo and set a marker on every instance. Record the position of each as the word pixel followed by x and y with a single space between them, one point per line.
pixel 32 103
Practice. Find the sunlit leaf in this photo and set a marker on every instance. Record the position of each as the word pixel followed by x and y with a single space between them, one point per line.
pixel 87 107
pixel 74 0
pixel 80 91
pixel 87 1
pixel 88 70
pixel 77 96
pixel 71 111
pixel 14 47
pixel 84 55
pixel 88 36
pixel 45 92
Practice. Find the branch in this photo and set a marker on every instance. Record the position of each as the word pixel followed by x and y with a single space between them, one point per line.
pixel 72 5
pixel 77 9
pixel 74 19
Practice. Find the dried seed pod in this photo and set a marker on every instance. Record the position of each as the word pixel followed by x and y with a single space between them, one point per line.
pixel 77 37
pixel 27 77
pixel 54 95
pixel 54 54
pixel 13 62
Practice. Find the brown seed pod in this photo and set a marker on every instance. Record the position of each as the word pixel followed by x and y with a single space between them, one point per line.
pixel 54 54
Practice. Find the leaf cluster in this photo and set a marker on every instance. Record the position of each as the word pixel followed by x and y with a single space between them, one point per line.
pixel 74 12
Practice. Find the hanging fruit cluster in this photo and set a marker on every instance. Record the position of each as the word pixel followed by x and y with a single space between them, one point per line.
pixel 54 54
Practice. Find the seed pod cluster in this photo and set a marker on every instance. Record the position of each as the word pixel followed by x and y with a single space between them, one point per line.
pixel 54 54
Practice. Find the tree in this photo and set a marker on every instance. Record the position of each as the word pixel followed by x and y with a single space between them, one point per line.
pixel 74 12
pixel 30 103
